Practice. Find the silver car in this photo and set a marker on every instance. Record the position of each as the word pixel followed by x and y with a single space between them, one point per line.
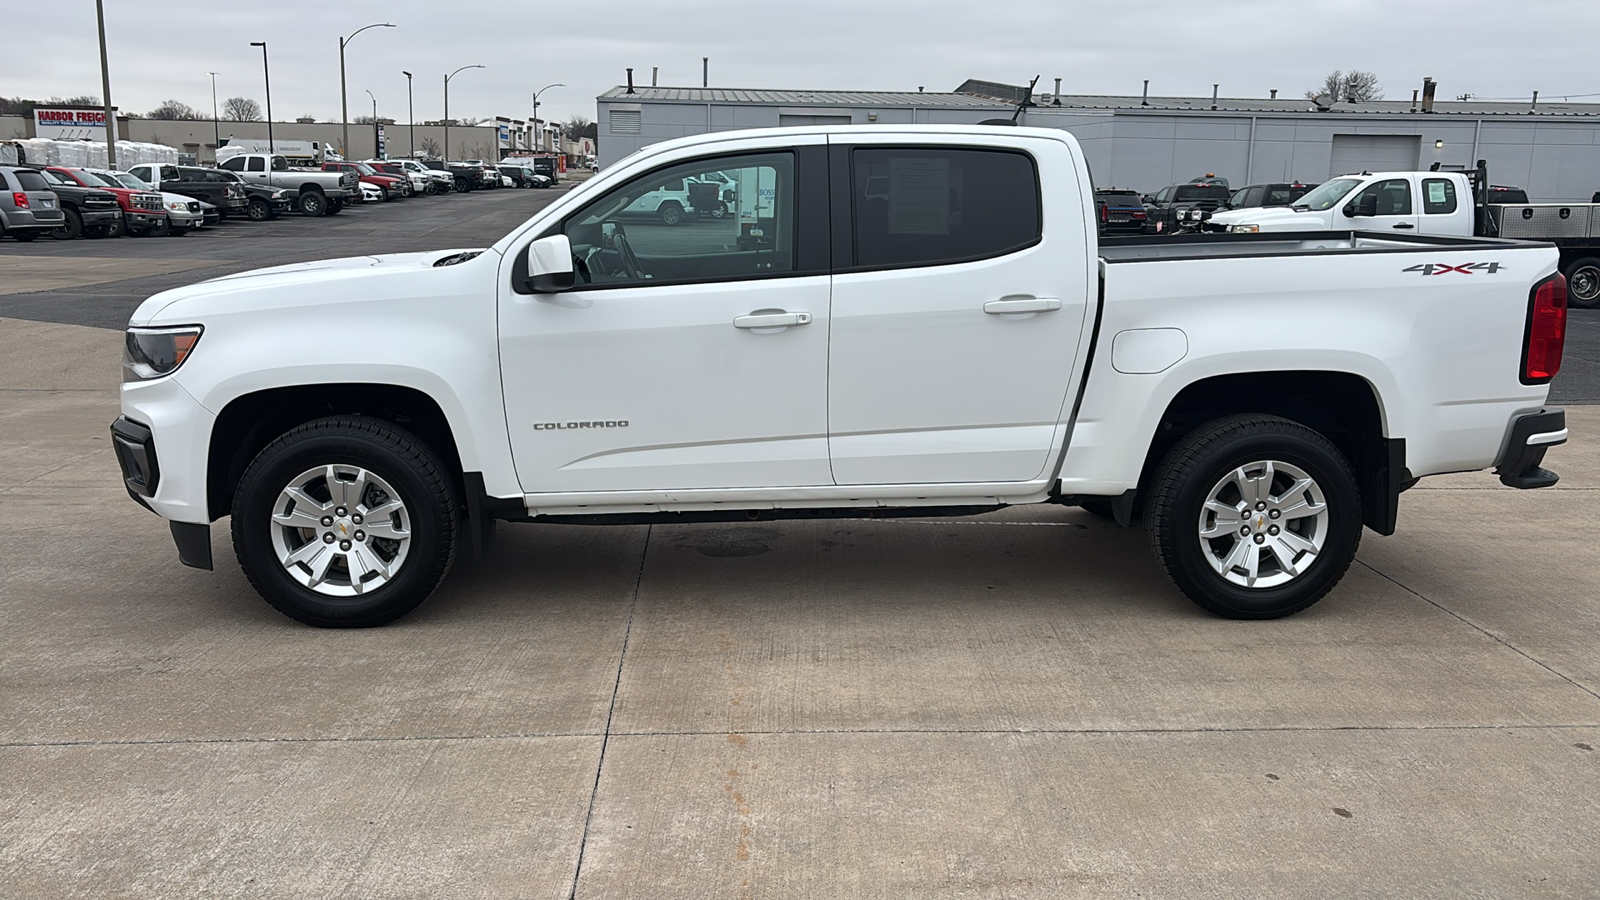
pixel 28 208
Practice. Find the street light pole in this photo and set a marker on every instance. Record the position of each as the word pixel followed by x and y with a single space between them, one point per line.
pixel 447 106
pixel 411 117
pixel 375 152
pixel 538 137
pixel 266 74
pixel 216 129
pixel 344 103
pixel 105 85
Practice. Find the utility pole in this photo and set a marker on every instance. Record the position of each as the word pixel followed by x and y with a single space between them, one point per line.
pixel 374 125
pixel 538 133
pixel 105 86
pixel 266 74
pixel 344 103
pixel 447 106
pixel 216 129
pixel 411 117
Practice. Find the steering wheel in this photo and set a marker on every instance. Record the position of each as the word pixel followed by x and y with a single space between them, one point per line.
pixel 630 261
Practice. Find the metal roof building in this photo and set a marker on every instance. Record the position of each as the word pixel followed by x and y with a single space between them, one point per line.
pixel 1552 149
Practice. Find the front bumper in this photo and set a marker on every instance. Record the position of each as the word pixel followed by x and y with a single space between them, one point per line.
pixel 161 442
pixel 140 219
pixel 93 217
pixel 1519 464
pixel 185 219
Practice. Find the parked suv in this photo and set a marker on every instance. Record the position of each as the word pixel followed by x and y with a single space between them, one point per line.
pixel 1182 207
pixel 28 208
pixel 89 211
pixel 1119 211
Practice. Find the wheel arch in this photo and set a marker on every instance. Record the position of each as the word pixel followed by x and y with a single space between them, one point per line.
pixel 251 421
pixel 311 187
pixel 1343 407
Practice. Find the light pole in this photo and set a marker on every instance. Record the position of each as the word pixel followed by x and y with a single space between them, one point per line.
pixel 344 104
pixel 537 132
pixel 375 152
pixel 216 130
pixel 105 85
pixel 411 117
pixel 266 74
pixel 447 106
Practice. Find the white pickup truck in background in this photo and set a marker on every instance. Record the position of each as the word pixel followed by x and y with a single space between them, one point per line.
pixel 1437 202
pixel 912 321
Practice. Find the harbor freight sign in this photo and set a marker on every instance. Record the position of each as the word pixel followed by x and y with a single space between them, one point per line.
pixel 68 124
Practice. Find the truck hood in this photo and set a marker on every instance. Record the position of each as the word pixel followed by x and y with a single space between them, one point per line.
pixel 1273 218
pixel 276 285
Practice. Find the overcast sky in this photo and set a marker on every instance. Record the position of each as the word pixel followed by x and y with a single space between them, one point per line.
pixel 162 49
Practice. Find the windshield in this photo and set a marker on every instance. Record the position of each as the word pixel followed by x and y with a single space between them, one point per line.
pixel 1201 192
pixel 95 179
pixel 57 178
pixel 1327 194
pixel 129 181
pixel 363 168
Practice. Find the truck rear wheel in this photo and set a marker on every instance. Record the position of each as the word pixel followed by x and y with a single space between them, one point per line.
pixel 670 213
pixel 345 522
pixel 1583 283
pixel 1254 517
pixel 313 203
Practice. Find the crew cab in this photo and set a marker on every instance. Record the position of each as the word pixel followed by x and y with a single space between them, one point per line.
pixel 88 211
pixel 1446 203
pixel 143 211
pixel 316 193
pixel 194 182
pixel 926 324
pixel 1182 207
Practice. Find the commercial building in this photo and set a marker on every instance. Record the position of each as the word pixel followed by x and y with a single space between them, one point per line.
pixel 1551 149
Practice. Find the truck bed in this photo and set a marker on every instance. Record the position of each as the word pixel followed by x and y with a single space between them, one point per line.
pixel 1144 248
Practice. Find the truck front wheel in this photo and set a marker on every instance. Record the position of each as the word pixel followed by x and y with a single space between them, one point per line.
pixel 345 522
pixel 1583 283
pixel 1254 517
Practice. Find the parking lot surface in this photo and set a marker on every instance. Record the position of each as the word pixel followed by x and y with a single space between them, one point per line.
pixel 1011 705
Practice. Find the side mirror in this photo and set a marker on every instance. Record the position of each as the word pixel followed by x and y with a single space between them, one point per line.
pixel 1366 207
pixel 549 262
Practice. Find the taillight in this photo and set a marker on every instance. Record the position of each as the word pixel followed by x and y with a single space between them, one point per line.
pixel 1104 214
pixel 1140 214
pixel 19 199
pixel 1546 331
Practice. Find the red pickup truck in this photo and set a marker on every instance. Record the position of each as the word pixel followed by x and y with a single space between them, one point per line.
pixel 392 187
pixel 142 211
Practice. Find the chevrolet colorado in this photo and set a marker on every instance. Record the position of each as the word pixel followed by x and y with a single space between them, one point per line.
pixel 902 321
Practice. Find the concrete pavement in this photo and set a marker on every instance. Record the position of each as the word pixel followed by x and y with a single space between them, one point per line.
pixel 1014 705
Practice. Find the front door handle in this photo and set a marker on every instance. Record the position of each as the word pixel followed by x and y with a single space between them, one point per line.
pixel 1404 225
pixel 1021 305
pixel 763 319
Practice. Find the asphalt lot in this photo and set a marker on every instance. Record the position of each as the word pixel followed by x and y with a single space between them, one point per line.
pixel 1015 705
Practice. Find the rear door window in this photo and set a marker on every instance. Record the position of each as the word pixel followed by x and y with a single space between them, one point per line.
pixel 257 164
pixel 1438 196
pixel 935 206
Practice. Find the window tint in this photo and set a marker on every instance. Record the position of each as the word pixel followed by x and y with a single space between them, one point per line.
pixel 1393 195
pixel 917 207
pixel 30 180
pixel 234 165
pixel 1438 196
pixel 1202 192
pixel 257 164
pixel 671 227
pixel 1279 195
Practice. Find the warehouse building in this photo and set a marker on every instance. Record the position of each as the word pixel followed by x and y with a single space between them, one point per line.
pixel 1551 149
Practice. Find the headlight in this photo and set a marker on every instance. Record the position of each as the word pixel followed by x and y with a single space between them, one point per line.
pixel 176 204
pixel 279 194
pixel 1244 229
pixel 157 352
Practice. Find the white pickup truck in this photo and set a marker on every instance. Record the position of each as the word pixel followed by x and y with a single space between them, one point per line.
pixel 950 341
pixel 1458 204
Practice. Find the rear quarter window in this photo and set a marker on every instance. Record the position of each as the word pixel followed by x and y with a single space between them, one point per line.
pixel 934 206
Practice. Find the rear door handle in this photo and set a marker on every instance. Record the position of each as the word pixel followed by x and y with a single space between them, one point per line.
pixel 1404 225
pixel 1021 305
pixel 763 319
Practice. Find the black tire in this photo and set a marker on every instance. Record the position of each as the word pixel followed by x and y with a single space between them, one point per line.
pixel 160 229
pixel 389 452
pixel 313 203
pixel 335 207
pixel 670 213
pixel 1583 283
pixel 258 210
pixel 1178 493
pixel 70 229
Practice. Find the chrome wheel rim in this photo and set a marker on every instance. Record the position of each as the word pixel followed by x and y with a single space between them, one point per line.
pixel 340 530
pixel 1263 524
pixel 1585 284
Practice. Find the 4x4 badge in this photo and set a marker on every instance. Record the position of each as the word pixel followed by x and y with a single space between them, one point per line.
pixel 1465 268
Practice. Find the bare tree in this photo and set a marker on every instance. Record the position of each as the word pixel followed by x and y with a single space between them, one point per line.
pixel 241 109
pixel 429 146
pixel 172 109
pixel 467 121
pixel 1353 86
pixel 578 126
